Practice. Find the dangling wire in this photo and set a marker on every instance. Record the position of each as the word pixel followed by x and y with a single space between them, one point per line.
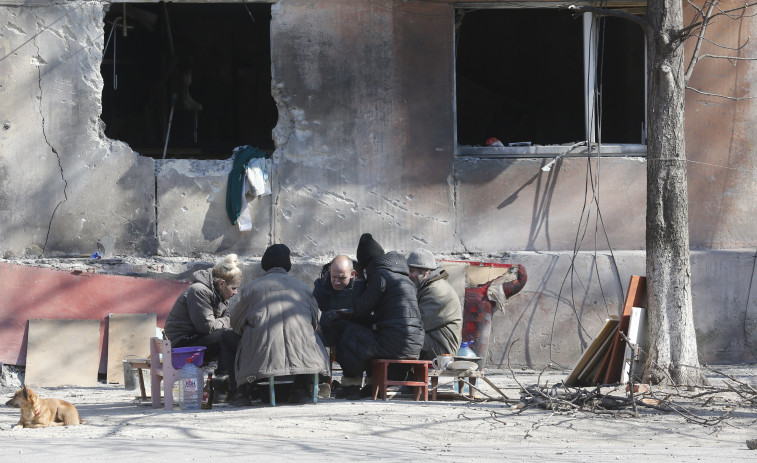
pixel 592 181
pixel 244 2
pixel 107 42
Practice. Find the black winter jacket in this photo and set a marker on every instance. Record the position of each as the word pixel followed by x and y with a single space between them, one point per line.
pixel 387 300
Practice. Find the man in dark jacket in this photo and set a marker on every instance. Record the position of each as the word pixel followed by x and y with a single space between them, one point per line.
pixel 385 322
pixel 333 291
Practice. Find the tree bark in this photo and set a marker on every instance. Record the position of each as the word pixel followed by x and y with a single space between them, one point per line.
pixel 673 356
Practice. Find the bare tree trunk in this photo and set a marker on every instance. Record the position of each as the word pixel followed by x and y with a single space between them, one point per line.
pixel 673 349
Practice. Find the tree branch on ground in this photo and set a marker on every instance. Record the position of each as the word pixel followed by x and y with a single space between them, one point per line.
pixel 697 408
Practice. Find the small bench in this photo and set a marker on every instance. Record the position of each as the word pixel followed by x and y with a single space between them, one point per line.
pixel 271 381
pixel 460 376
pixel 419 381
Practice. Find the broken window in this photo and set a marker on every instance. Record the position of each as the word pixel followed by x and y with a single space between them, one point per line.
pixel 193 80
pixel 526 77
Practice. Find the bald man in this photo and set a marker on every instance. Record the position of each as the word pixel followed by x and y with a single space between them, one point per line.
pixel 333 289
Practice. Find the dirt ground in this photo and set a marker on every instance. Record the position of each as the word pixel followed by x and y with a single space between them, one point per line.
pixel 120 428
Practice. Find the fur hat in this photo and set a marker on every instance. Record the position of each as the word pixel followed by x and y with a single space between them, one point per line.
pixel 277 255
pixel 422 258
pixel 368 249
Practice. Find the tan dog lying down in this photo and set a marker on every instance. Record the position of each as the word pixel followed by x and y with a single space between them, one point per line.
pixel 37 412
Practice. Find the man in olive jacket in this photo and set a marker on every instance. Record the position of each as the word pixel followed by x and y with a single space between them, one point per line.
pixel 440 306
pixel 277 318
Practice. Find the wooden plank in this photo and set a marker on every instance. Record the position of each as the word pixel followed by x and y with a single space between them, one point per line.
pixel 128 336
pixel 635 297
pixel 587 375
pixel 44 293
pixel 62 353
pixel 592 352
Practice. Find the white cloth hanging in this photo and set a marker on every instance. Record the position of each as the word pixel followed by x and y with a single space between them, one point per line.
pixel 256 183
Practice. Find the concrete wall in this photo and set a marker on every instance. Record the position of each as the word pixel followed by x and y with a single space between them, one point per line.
pixel 63 186
pixel 721 140
pixel 365 143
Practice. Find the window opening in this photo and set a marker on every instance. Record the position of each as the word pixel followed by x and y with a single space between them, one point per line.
pixel 524 76
pixel 621 75
pixel 214 58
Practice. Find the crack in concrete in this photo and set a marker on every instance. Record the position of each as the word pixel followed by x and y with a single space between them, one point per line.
pixel 456 222
pixel 52 148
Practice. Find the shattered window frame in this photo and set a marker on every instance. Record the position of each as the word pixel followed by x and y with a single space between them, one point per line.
pixel 570 149
pixel 188 79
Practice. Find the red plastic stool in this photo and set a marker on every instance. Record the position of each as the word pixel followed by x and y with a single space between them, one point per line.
pixel 419 382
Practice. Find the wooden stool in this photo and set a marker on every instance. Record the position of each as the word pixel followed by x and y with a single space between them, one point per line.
pixel 420 377
pixel 139 364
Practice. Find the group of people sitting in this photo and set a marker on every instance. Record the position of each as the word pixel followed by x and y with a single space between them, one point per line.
pixel 380 305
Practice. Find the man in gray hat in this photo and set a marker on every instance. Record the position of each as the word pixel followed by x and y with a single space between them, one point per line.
pixel 439 305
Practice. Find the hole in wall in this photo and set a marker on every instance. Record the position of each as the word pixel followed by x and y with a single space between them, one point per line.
pixel 202 69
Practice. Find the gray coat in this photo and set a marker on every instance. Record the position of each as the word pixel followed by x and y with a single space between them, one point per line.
pixel 200 309
pixel 277 317
pixel 442 315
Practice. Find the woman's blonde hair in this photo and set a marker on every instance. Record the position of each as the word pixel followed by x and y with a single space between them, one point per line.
pixel 227 269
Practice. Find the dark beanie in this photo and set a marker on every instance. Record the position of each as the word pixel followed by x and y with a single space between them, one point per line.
pixel 277 255
pixel 368 249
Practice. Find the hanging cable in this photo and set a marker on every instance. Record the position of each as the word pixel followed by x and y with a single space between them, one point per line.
pixel 107 42
pixel 170 120
pixel 592 181
pixel 244 2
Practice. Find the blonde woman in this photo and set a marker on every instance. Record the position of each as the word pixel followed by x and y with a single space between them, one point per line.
pixel 200 315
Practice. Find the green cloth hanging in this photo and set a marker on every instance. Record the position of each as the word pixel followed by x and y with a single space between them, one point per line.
pixel 236 179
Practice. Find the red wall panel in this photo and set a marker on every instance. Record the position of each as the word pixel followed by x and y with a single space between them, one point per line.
pixel 32 292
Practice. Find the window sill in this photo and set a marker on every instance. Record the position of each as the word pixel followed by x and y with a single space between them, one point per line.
pixel 550 151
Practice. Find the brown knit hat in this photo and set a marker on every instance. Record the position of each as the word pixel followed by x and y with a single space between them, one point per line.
pixel 368 249
pixel 277 255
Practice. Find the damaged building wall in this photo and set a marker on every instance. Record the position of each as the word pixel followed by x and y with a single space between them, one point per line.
pixel 191 212
pixel 63 186
pixel 365 143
